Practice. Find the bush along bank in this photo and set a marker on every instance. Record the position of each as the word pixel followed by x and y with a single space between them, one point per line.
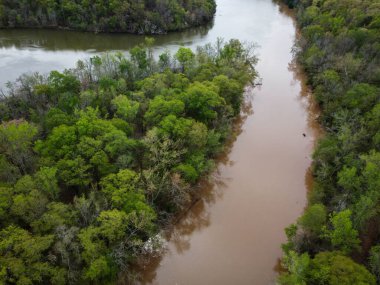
pixel 337 239
pixel 96 159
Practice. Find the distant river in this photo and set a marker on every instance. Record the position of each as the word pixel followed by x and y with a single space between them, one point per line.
pixel 232 235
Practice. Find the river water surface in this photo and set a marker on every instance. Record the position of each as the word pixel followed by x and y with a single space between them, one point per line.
pixel 233 234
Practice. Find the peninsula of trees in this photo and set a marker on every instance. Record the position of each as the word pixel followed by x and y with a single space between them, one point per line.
pixel 337 240
pixel 131 16
pixel 94 160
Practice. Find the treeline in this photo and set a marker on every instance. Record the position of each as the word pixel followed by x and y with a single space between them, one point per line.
pixel 131 16
pixel 95 160
pixel 337 240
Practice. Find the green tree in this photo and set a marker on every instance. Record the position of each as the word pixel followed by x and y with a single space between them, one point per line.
pixel 343 236
pixel 297 267
pixel 159 107
pixel 57 215
pixel 125 108
pixel 5 204
pixel 22 258
pixel 202 102
pixel 123 191
pixel 47 182
pixel 231 90
pixel 185 57
pixel 314 219
pixel 16 141
pixel 28 203
pixel 335 269
pixel 374 261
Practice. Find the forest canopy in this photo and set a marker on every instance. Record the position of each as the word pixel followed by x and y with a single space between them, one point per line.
pixel 340 52
pixel 96 159
pixel 131 16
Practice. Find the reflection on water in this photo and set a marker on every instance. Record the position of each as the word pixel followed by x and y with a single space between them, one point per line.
pixel 31 50
pixel 61 40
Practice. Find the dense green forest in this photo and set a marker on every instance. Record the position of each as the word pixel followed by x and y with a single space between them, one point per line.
pixel 337 240
pixel 132 16
pixel 95 160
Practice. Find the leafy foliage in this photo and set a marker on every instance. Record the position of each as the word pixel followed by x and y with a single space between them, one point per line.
pixel 325 268
pixel 143 17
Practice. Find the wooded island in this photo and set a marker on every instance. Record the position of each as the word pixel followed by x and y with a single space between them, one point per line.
pixel 138 17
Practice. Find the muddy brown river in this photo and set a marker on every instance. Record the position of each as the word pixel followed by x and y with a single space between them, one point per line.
pixel 233 234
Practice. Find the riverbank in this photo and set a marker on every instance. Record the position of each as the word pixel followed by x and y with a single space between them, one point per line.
pixel 335 234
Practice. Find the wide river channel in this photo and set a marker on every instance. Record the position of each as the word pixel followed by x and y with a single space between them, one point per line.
pixel 233 234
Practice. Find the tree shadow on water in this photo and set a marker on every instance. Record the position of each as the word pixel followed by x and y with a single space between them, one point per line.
pixel 197 216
